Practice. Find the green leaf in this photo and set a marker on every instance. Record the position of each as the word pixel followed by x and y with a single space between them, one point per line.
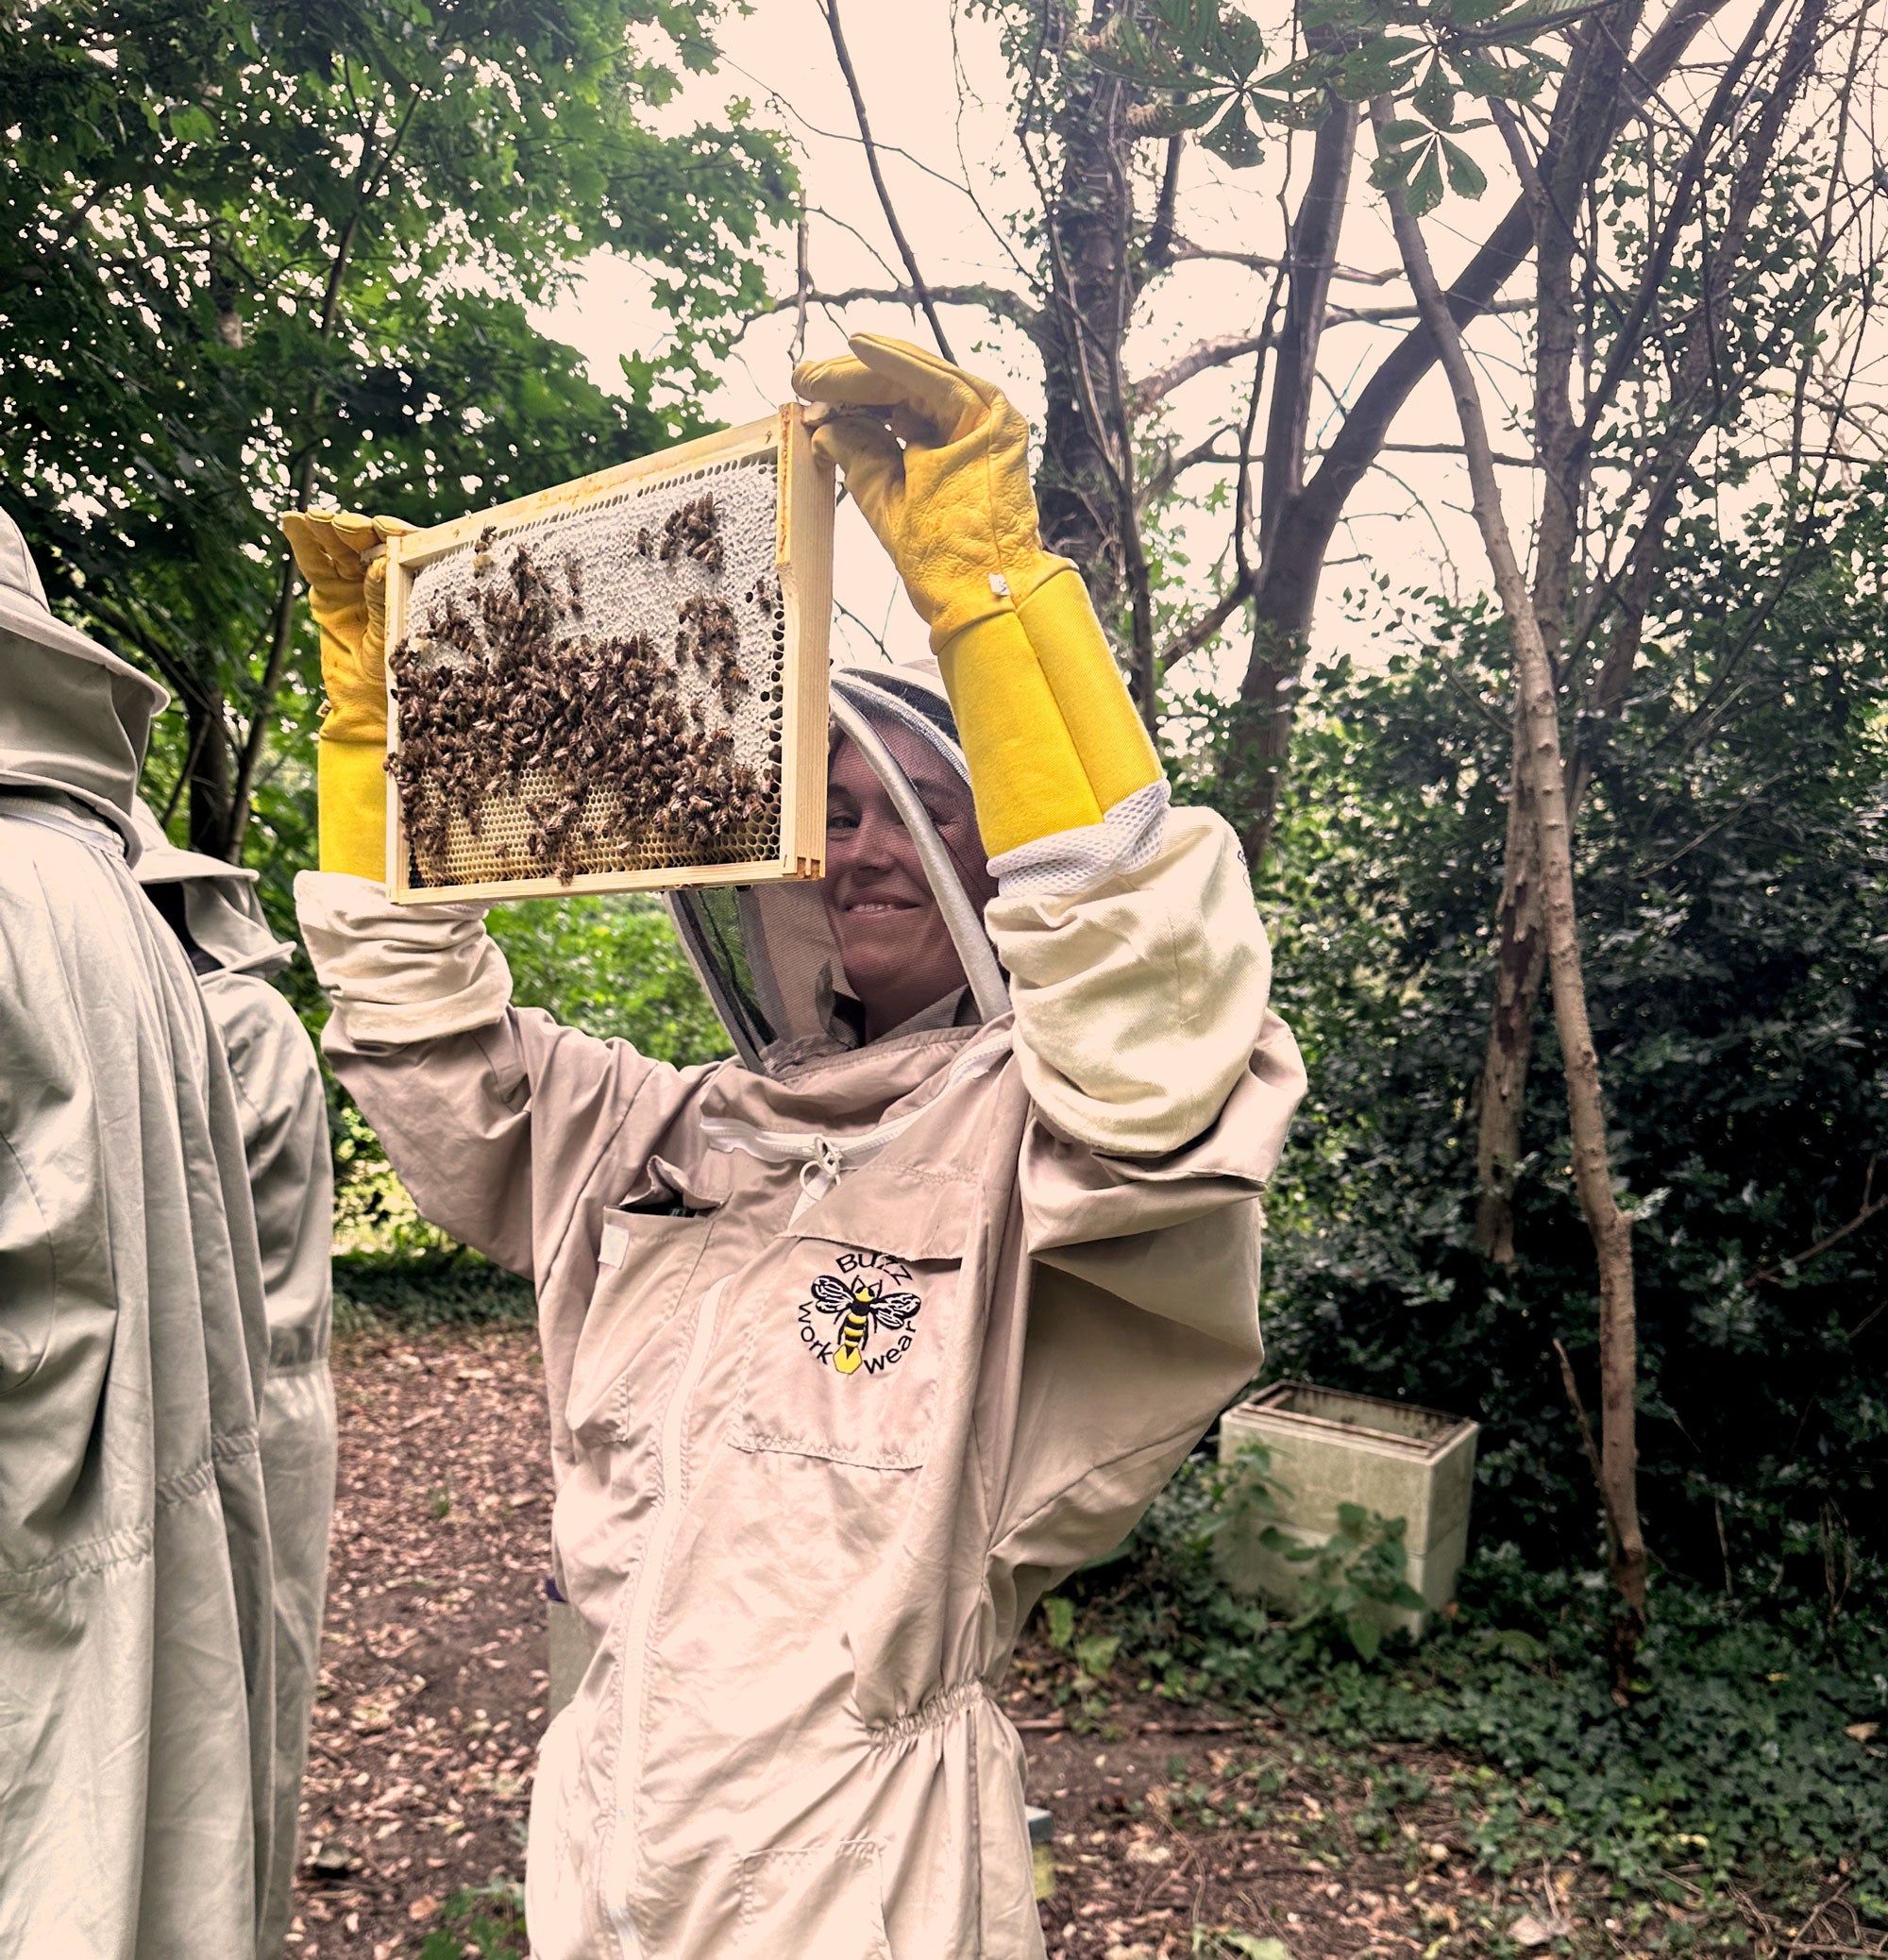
pixel 1480 76
pixel 1425 187
pixel 1061 1617
pixel 1392 167
pixel 191 124
pixel 1466 176
pixel 1231 138
pixel 1364 1634
pixel 1373 69
pixel 1242 43
pixel 1397 135
pixel 1190 26
pixel 1172 118
pixel 1096 1654
pixel 1435 99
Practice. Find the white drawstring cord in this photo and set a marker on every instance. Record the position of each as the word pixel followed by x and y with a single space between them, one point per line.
pixel 823 1160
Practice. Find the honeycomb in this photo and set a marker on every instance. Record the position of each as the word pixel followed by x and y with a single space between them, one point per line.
pixel 597 689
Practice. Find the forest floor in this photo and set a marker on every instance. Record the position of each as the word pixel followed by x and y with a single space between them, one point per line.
pixel 1177 1832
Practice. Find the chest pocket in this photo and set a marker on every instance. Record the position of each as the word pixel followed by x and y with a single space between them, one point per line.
pixel 647 1250
pixel 862 1323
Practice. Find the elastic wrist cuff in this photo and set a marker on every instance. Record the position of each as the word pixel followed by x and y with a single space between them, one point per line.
pixel 1070 862
pixel 351 785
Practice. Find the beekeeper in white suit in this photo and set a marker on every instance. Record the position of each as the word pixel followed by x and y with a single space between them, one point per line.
pixel 856 1344
pixel 213 910
pixel 136 1631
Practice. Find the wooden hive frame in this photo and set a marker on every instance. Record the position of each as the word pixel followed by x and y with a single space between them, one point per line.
pixel 803 567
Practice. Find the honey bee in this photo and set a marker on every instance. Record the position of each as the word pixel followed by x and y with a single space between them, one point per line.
pixel 862 1305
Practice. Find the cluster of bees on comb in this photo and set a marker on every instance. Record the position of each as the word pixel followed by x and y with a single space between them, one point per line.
pixel 512 702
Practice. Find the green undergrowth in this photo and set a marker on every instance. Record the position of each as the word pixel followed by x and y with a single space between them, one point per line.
pixel 449 1287
pixel 1754 1753
pixel 488 1920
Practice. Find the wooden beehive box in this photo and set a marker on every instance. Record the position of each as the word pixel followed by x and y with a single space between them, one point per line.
pixel 618 684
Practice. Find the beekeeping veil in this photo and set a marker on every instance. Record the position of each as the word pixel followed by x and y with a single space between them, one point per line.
pixel 765 953
pixel 218 903
pixel 74 719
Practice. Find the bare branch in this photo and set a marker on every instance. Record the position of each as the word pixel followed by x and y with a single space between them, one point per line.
pixel 903 243
pixel 1159 252
pixel 1571 1384
pixel 1175 464
pixel 1254 262
pixel 1455 450
pixel 1376 315
pixel 1143 393
pixel 803 279
pixel 1206 625
pixel 996 300
pixel 1870 1206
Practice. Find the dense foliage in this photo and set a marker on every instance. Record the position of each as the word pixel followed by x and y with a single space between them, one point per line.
pixel 254 255
pixel 613 967
pixel 1755 1760
pixel 1729 863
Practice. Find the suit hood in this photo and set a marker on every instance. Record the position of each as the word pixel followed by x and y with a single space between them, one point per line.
pixel 221 907
pixel 73 717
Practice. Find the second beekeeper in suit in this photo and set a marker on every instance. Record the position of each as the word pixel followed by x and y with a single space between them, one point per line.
pixel 212 909
pixel 859 1342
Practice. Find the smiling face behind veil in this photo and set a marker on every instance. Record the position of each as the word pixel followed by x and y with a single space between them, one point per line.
pixel 894 944
pixel 797 971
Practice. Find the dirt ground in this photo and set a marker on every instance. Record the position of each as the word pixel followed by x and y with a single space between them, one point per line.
pixel 1177 1832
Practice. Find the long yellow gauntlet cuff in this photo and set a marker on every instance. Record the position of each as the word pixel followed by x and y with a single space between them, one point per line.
pixel 1050 736
pixel 351 786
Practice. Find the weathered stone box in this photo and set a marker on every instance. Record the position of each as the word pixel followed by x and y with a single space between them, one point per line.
pixel 1329 1448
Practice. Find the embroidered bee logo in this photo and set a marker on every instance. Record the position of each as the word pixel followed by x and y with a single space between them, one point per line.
pixel 860 1297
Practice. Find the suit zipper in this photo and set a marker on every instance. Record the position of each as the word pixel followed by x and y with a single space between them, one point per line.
pixel 624 1859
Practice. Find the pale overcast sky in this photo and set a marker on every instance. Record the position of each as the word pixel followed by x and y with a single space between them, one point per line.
pixel 936 90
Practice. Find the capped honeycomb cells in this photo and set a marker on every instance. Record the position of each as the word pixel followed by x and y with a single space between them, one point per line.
pixel 598 690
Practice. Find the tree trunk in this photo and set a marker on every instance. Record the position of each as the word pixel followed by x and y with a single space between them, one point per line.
pixel 1080 328
pixel 1519 957
pixel 209 772
pixel 1287 590
pixel 1578 138
pixel 1315 232
pixel 1521 960
pixel 1537 747
pixel 1261 735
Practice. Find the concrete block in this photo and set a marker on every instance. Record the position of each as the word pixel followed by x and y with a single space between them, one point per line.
pixel 1041 1854
pixel 1329 1448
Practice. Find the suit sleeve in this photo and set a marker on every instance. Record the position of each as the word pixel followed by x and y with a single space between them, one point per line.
pixel 1162 1086
pixel 496 1117
pixel 58 1292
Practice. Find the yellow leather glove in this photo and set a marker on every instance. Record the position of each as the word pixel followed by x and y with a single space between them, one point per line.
pixel 1052 739
pixel 347 594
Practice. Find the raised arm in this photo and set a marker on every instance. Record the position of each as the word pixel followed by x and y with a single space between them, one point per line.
pixel 1162 1083
pixel 501 1123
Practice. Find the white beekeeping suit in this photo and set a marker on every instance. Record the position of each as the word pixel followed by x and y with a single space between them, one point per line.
pixel 213 909
pixel 137 1628
pixel 858 1344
